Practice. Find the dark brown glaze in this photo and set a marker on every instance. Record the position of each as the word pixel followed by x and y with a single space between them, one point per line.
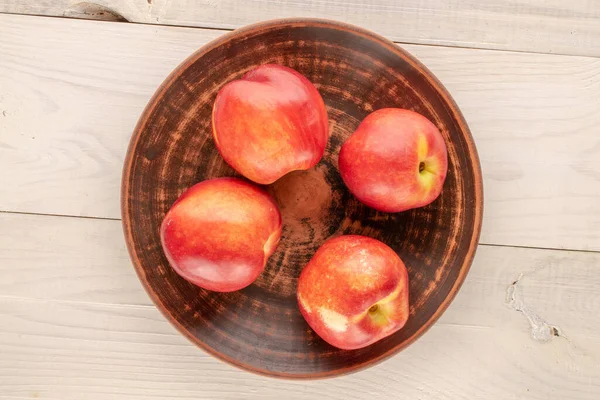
pixel 260 327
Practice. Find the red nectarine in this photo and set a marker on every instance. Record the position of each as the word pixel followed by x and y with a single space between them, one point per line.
pixel 220 233
pixel 396 160
pixel 354 292
pixel 270 122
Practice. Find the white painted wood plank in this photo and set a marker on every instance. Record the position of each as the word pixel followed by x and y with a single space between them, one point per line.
pixel 67 110
pixel 93 351
pixel 69 330
pixel 66 259
pixel 66 122
pixel 553 26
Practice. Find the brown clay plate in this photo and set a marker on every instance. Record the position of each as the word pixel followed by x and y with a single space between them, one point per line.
pixel 260 328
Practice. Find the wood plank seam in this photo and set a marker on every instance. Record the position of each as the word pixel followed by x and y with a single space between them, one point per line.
pixel 114 16
pixel 481 243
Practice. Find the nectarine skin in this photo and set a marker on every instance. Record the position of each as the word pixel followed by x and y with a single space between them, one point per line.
pixel 396 160
pixel 354 292
pixel 270 122
pixel 220 232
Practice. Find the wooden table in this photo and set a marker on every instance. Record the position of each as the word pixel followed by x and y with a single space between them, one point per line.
pixel 75 322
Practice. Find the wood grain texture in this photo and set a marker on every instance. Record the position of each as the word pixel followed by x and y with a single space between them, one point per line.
pixel 542 26
pixel 260 327
pixel 65 344
pixel 62 342
pixel 66 123
pixel 68 351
